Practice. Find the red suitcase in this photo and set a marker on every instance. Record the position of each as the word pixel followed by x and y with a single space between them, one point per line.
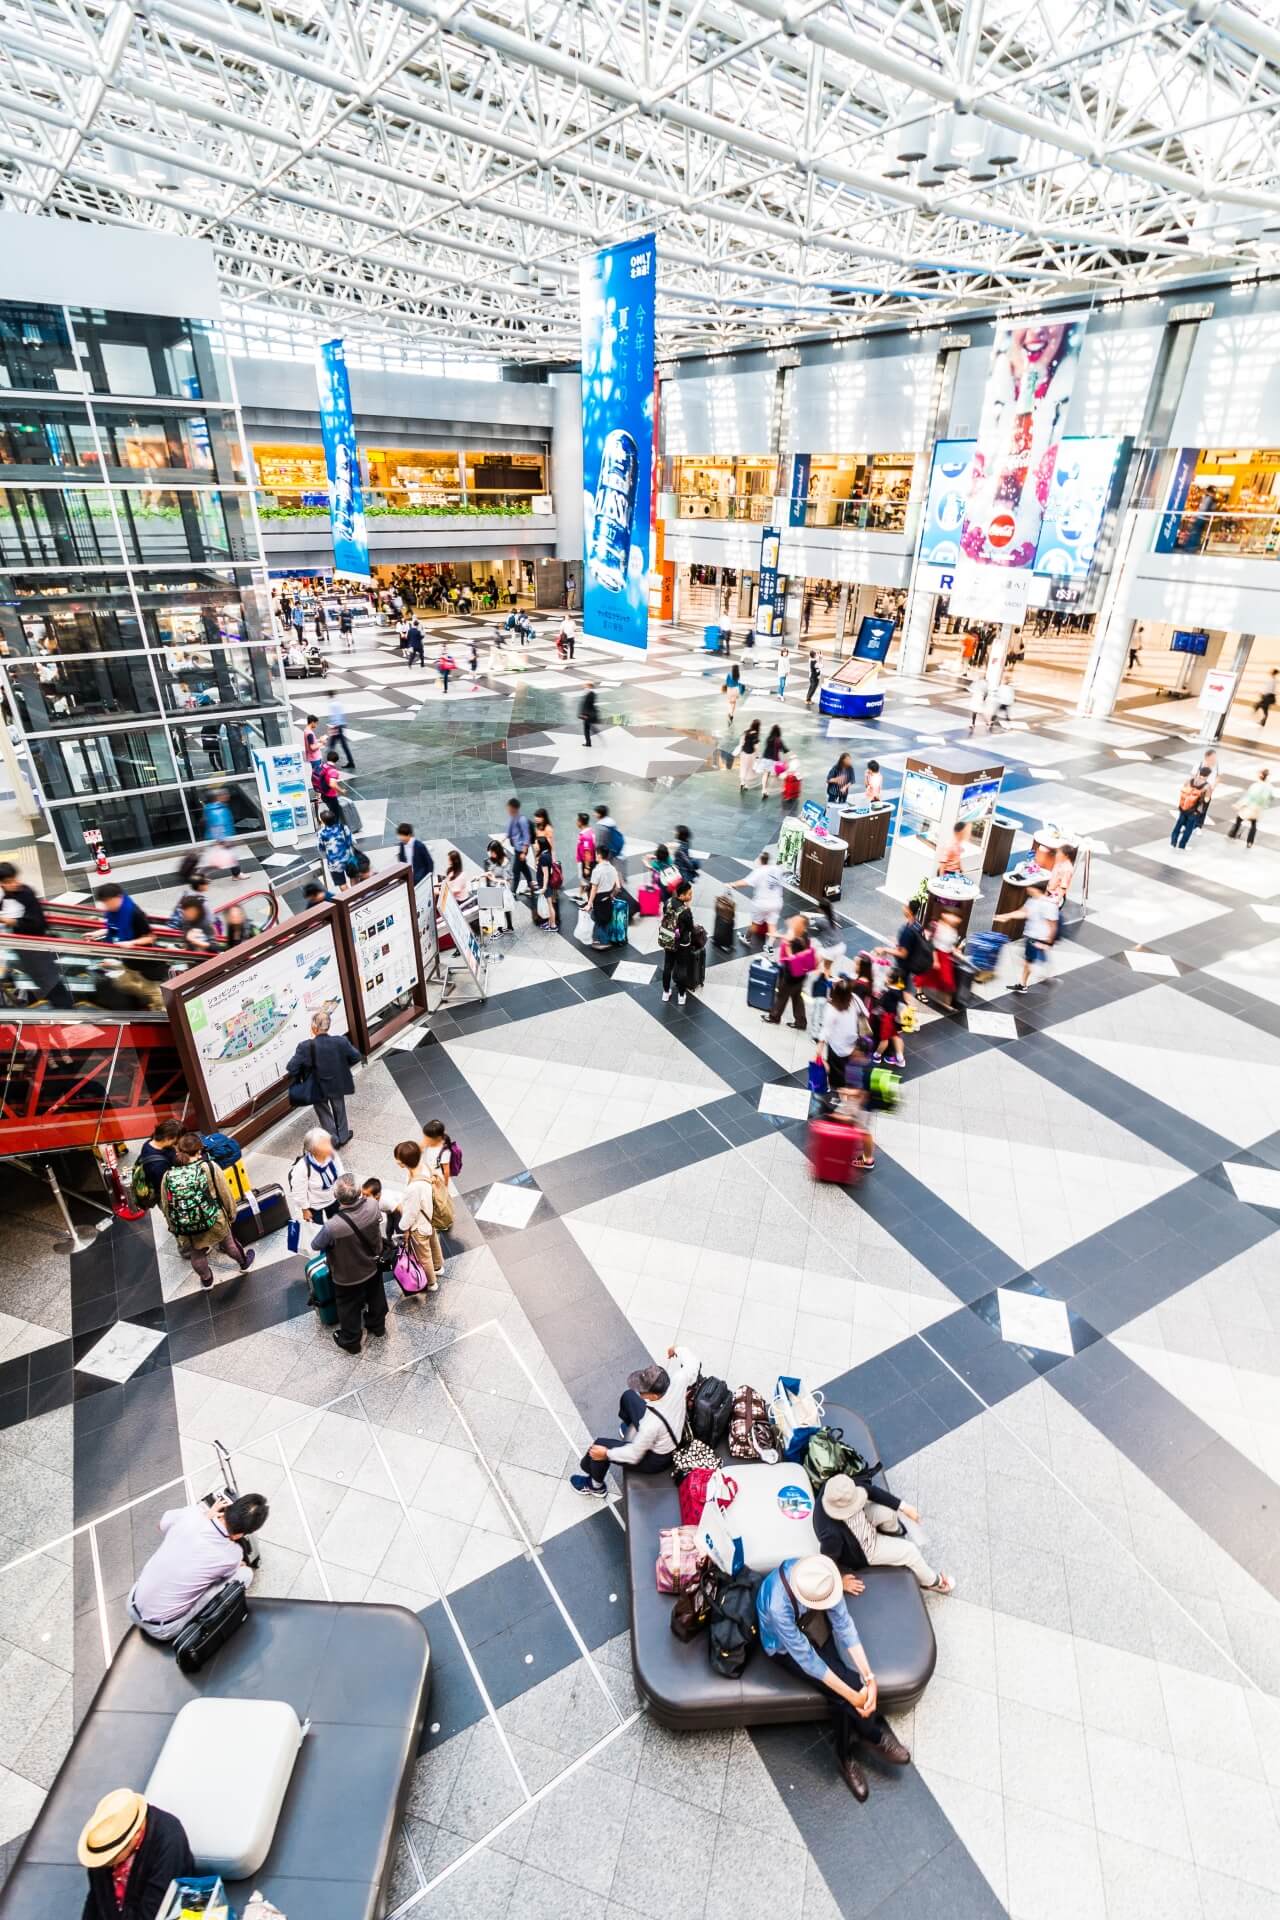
pixel 650 899
pixel 835 1150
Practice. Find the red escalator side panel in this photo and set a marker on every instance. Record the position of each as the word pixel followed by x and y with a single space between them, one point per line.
pixel 76 1083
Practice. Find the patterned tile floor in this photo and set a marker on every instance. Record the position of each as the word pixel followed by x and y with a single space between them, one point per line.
pixel 1055 1299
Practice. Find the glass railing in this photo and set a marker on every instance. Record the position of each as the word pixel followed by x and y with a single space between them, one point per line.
pixel 756 507
pixel 85 1081
pixel 1255 535
pixel 864 515
pixel 274 509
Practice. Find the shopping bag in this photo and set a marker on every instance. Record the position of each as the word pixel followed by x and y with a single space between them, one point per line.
pixel 716 1534
pixel 293 1238
pixel 797 1414
pixel 679 1560
pixel 408 1273
pixel 585 927
pixel 817 1075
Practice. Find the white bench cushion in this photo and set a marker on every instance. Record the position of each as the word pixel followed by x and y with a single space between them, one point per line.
pixel 224 1771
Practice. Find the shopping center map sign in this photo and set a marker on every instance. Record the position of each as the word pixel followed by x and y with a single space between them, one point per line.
pixel 245 1026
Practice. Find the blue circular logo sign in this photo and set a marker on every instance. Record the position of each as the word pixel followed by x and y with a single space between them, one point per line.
pixel 795 1502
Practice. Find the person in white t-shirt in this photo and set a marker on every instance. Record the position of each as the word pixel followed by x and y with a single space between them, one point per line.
pixel 604 885
pixel 1039 919
pixel 764 885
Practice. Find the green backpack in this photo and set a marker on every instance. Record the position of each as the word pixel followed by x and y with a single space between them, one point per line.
pixel 667 925
pixel 193 1206
pixel 828 1455
pixel 143 1191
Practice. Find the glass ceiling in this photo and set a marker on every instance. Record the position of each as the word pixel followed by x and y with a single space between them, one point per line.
pixel 431 171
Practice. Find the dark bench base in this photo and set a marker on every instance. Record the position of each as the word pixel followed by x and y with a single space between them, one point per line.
pixel 675 1678
pixel 362 1676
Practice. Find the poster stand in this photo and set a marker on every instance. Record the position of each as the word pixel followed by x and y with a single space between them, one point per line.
pixel 237 1018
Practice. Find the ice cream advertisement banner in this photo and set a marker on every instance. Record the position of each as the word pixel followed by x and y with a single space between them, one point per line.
pixel 1024 415
pixel 337 426
pixel 617 440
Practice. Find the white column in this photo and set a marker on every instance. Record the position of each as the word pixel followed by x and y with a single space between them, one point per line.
pixel 999 654
pixel 916 628
pixel 1109 658
pixel 566 463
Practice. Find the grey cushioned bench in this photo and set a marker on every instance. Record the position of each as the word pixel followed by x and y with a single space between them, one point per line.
pixel 675 1677
pixel 362 1675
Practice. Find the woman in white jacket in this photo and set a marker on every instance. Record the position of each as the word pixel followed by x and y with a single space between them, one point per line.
pixel 313 1176
pixel 424 1194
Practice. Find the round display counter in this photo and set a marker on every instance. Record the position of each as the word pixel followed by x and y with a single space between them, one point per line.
pixel 846 703
pixel 952 893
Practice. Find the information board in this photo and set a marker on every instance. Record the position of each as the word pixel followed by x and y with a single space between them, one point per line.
pixel 385 954
pixel 245 1027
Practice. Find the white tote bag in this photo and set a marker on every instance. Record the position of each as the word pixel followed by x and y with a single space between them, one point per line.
pixel 585 929
pixel 795 1405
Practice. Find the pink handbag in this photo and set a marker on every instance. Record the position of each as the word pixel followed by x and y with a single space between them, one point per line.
pixel 409 1273
pixel 679 1560
pixel 798 964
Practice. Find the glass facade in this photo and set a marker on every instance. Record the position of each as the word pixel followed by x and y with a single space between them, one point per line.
pixel 136 651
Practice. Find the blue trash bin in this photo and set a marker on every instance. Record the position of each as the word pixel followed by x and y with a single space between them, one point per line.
pixel 711 639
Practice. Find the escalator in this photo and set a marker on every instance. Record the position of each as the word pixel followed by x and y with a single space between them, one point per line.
pixel 86 1056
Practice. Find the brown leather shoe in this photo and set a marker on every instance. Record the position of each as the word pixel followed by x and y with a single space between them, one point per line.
pixel 855 1779
pixel 892 1749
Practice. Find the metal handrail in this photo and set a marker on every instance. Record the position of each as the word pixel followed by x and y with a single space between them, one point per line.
pixel 63 915
pixel 46 1016
pixel 20 943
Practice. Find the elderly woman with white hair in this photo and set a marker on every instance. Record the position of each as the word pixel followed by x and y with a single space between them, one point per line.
pixel 805 1624
pixel 313 1176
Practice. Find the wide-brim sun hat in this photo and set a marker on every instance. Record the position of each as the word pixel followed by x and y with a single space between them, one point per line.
pixel 843 1497
pixel 110 1828
pixel 816 1583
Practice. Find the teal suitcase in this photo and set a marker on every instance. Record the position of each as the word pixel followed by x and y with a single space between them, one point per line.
pixel 320 1289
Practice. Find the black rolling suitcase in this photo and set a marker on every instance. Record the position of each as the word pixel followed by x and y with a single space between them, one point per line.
pixel 264 1212
pixel 722 930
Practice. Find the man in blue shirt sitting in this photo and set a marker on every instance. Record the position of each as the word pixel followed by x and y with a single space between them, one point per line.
pixel 794 1604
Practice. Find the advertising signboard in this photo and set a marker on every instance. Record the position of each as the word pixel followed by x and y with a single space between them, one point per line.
pixel 245 1025
pixel 1077 502
pixel 1171 534
pixel 386 953
pixel 342 461
pixel 768 612
pixel 617 287
pixel 945 503
pixel 283 792
pixel 873 638
pixel 1024 408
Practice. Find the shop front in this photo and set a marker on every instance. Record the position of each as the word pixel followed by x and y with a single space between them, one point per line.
pixel 866 491
pixel 734 487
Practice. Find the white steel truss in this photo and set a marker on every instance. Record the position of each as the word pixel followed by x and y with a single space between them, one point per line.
pixel 433 170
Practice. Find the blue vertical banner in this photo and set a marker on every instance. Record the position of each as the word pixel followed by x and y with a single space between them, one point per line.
pixel 617 287
pixel 338 428
pixel 800 470
pixel 1173 534
pixel 768 610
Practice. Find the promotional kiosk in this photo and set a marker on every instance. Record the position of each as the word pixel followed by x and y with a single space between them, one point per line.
pixel 948 797
pixel 1054 862
pixel 852 692
pixel 864 829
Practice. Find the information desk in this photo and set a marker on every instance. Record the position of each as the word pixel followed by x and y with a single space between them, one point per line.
pixel 954 893
pixel 821 867
pixel 999 847
pixel 865 832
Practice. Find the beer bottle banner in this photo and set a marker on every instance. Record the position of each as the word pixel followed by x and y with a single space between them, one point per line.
pixel 617 287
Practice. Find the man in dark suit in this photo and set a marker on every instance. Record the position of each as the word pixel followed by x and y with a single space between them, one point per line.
pixel 327 1059
pixel 413 854
pixel 132 1853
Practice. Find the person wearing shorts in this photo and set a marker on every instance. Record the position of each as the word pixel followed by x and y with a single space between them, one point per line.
pixel 1039 917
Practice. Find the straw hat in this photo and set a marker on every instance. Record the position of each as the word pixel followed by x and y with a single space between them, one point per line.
pixel 843 1497
pixel 111 1828
pixel 816 1583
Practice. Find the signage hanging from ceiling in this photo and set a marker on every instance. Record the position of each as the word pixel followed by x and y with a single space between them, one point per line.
pixel 1024 411
pixel 617 288
pixel 342 462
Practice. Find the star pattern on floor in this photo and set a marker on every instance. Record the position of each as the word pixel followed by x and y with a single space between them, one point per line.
pixel 618 749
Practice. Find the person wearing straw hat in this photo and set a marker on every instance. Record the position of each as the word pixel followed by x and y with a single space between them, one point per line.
pixel 805 1624
pixel 133 1853
pixel 857 1532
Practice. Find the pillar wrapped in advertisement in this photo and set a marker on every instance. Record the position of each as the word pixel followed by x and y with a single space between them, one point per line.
pixel 337 426
pixel 617 440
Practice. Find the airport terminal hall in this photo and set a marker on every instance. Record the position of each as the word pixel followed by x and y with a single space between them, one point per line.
pixel 639 960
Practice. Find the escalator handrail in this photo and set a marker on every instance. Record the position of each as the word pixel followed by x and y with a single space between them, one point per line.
pixel 46 1016
pixel 20 943
pixel 166 939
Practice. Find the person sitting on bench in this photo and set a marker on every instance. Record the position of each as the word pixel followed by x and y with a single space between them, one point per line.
pixel 857 1531
pixel 133 1853
pixel 805 1624
pixel 651 1417
pixel 199 1554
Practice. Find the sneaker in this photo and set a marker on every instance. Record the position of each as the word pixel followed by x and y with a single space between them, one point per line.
pixel 666 993
pixel 583 1483
pixel 1018 989
pixel 251 1255
pixel 680 999
pixel 342 1346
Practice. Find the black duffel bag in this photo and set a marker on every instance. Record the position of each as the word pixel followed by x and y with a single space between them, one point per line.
pixel 212 1627
pixel 710 1412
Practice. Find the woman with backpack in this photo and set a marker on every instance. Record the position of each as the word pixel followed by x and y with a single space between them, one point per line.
pixel 676 936
pixel 1193 804
pixel 200 1210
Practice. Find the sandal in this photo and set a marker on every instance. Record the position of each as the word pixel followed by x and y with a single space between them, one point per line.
pixel 943 1584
